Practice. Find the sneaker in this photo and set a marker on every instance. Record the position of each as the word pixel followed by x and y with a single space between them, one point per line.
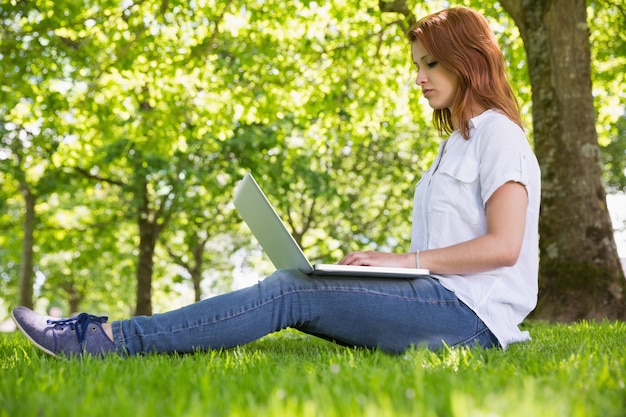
pixel 76 336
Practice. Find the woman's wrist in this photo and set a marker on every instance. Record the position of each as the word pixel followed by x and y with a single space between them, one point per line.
pixel 417 260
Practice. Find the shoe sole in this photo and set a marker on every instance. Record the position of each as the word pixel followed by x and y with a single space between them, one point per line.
pixel 31 339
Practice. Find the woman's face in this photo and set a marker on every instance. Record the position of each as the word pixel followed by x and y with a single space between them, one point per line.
pixel 438 84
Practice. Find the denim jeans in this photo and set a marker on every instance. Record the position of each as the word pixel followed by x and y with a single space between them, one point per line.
pixel 388 314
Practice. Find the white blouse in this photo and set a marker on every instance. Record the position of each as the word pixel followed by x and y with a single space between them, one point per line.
pixel 449 208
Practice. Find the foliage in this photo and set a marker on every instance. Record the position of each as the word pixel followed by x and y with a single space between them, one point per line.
pixel 156 109
pixel 132 121
pixel 566 370
pixel 609 65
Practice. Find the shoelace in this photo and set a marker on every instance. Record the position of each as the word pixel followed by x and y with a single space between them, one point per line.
pixel 79 324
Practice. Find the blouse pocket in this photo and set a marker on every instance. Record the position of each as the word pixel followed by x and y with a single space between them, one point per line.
pixel 462 169
pixel 457 188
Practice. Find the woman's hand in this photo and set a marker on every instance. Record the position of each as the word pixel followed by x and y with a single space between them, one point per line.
pixel 373 258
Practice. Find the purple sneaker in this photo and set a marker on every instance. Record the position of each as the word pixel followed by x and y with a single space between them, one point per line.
pixel 76 336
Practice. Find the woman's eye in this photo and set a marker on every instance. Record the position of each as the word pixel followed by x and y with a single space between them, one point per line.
pixel 432 64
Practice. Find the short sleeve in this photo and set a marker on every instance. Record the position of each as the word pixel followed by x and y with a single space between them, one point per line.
pixel 505 157
pixel 510 165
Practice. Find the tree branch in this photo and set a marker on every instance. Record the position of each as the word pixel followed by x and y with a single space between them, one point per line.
pixel 207 45
pixel 398 6
pixel 88 174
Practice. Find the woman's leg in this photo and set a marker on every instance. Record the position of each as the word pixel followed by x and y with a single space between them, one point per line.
pixel 390 314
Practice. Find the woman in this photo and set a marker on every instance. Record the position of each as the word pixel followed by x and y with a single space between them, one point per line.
pixel 475 223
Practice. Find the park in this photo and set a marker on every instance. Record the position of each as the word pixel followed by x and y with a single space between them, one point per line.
pixel 126 126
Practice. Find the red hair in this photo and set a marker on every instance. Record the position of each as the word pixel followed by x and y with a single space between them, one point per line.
pixel 460 39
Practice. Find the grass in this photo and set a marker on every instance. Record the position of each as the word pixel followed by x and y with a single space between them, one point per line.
pixel 566 370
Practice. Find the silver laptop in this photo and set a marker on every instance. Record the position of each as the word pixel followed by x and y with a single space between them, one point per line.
pixel 281 247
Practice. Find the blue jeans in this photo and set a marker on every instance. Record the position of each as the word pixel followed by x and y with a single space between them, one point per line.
pixel 389 314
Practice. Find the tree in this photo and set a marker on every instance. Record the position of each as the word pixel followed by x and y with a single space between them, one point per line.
pixel 33 108
pixel 580 272
pixel 138 118
pixel 155 109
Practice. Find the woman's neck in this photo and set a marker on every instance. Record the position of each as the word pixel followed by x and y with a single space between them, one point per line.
pixel 476 110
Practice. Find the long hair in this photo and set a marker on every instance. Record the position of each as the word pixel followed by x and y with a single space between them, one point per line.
pixel 460 39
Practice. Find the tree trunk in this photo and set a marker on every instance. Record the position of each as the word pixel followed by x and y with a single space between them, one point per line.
pixel 196 271
pixel 145 266
pixel 149 231
pixel 74 298
pixel 27 270
pixel 580 272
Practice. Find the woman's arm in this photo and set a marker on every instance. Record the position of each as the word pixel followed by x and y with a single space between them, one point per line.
pixel 499 247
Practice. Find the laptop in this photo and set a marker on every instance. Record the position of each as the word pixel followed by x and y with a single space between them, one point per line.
pixel 281 247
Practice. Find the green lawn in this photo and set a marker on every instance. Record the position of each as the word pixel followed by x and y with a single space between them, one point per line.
pixel 567 370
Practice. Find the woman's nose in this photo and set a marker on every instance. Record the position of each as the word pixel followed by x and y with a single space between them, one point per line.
pixel 420 78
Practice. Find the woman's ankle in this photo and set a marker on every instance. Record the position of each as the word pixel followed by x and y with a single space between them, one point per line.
pixel 108 330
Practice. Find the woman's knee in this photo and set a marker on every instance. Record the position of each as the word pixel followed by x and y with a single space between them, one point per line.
pixel 285 279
